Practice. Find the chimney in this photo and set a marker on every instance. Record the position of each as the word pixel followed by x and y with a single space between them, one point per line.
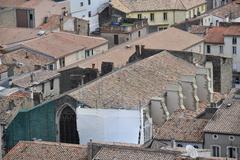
pixel 26 54
pixel 61 23
pixel 174 98
pixel 93 65
pixel 137 48
pixel 32 77
pixel 142 49
pixel 203 81
pixel 189 88
pixel 158 111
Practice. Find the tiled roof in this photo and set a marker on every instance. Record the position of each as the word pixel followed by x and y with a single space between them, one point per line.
pixel 54 22
pixel 198 29
pixel 46 151
pixel 154 5
pixel 135 84
pixel 233 30
pixel 20 99
pixel 38 77
pixel 134 154
pixel 59 44
pixel 215 35
pixel 231 8
pixel 182 129
pixel 226 120
pixel 23 3
pixel 27 59
pixel 3 68
pixel 15 35
pixel 170 39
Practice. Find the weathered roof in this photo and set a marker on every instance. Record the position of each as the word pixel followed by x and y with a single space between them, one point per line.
pixel 39 76
pixel 232 8
pixel 170 39
pixel 36 150
pixel 23 3
pixel 135 84
pixel 128 6
pixel 233 30
pixel 60 44
pixel 110 153
pixel 53 22
pixel 198 29
pixel 25 60
pixel 226 120
pixel 15 35
pixel 182 129
pixel 215 35
pixel 3 68
pixel 17 99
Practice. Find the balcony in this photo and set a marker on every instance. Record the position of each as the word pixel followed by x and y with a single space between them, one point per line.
pixel 125 26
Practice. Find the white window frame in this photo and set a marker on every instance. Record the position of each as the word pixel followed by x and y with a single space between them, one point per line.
pixel 231 139
pixel 236 151
pixel 219 149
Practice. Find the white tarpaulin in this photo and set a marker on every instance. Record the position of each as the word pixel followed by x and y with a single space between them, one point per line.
pixel 108 125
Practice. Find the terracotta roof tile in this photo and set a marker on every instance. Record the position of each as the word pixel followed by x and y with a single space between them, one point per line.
pixel 215 35
pixel 233 30
pixel 170 39
pixel 154 5
pixel 134 154
pixel 136 83
pixel 59 44
pixel 46 150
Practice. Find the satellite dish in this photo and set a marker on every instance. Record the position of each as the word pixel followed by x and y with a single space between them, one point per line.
pixel 191 151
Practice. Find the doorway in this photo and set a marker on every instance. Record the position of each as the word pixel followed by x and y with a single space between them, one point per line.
pixel 68 126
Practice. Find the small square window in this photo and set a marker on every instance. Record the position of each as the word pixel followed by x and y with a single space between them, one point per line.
pixel 81 4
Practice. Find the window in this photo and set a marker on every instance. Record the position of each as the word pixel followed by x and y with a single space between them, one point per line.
pixel 234 50
pixel 116 42
pixel 151 16
pixel 43 88
pixel 62 62
pixel 51 84
pixel 139 33
pixel 232 138
pixel 234 40
pixel 89 14
pixel 215 136
pixel 165 16
pixel 195 146
pixel 179 145
pixel 208 49
pixel 87 54
pixel 89 2
pixel 216 151
pixel 50 67
pixel 81 4
pixel 139 16
pixel 232 152
pixel 221 49
pixel 189 14
pixel 30 16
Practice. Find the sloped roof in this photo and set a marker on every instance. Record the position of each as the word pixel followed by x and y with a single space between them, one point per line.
pixel 60 44
pixel 15 35
pixel 154 5
pixel 232 8
pixel 134 154
pixel 215 35
pixel 172 39
pixel 134 84
pixel 226 120
pixel 233 30
pixel 38 77
pixel 37 150
pixel 182 129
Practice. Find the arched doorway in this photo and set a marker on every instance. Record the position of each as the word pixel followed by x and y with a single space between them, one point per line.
pixel 68 126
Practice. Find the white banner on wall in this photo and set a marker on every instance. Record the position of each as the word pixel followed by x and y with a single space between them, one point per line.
pixel 108 125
